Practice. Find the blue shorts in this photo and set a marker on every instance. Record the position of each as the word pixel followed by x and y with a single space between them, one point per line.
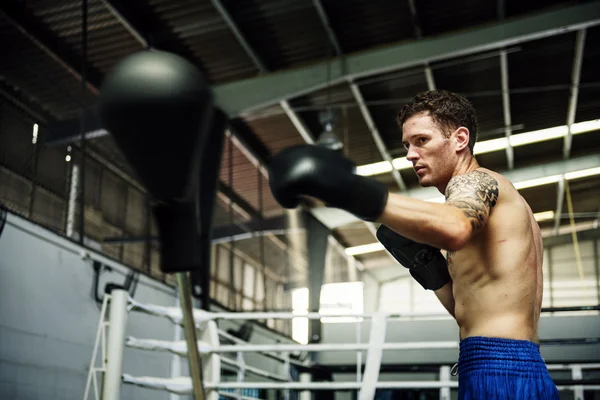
pixel 498 369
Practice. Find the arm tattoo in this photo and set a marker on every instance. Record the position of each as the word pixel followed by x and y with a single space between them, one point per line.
pixel 475 194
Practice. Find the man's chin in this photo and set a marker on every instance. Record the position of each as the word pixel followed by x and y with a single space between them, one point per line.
pixel 424 182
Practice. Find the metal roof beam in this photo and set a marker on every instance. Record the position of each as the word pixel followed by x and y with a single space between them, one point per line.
pixel 376 135
pixel 560 198
pixel 46 40
pixel 510 154
pixel 419 34
pixel 237 98
pixel 575 78
pixel 383 151
pixel 258 62
pixel 327 25
pixel 150 31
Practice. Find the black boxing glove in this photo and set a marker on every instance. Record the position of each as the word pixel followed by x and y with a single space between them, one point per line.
pixel 425 263
pixel 322 173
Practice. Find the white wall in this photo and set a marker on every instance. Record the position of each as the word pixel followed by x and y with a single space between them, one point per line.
pixel 48 319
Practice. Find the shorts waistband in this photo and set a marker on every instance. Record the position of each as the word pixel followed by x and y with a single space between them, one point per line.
pixel 501 355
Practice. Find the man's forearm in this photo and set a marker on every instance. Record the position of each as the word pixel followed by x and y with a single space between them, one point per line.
pixel 446 297
pixel 439 225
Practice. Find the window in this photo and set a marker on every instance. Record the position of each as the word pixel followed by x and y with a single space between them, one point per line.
pixel 336 298
pixel 300 306
pixel 341 298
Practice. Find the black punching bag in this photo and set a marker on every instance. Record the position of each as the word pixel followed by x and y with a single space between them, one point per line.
pixel 159 109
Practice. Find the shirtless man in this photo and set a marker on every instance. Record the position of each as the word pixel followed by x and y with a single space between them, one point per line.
pixel 491 282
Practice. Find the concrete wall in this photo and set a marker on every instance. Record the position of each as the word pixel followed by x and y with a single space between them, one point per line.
pixel 48 319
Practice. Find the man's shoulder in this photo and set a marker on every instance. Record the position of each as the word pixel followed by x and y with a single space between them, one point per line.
pixel 484 183
pixel 478 179
pixel 485 177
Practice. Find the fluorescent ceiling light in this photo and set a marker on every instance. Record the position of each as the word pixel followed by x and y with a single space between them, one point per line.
pixel 538 136
pixel 584 173
pixel 489 146
pixel 35 134
pixel 546 180
pixel 585 126
pixel 492 145
pixel 365 248
pixel 544 216
pixel 402 163
pixel 374 169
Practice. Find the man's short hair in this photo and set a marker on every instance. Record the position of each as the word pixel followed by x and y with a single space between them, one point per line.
pixel 448 110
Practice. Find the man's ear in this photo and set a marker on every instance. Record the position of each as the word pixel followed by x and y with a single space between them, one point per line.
pixel 461 136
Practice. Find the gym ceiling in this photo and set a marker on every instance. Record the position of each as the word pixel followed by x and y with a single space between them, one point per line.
pixel 276 65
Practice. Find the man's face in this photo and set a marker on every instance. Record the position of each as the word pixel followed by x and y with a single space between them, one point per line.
pixel 432 153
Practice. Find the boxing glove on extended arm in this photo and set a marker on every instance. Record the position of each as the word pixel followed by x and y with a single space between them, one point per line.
pixel 425 263
pixel 315 171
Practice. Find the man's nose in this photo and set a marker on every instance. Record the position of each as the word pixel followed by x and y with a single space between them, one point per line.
pixel 412 155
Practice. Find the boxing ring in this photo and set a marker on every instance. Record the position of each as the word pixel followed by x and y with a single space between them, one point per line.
pixel 111 339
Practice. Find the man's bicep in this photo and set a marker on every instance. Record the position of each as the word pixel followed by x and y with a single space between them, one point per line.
pixel 475 194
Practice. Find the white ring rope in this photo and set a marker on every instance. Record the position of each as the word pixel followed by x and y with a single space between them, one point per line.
pixel 183 385
pixel 180 346
pixel 254 370
pixel 200 316
pixel 264 353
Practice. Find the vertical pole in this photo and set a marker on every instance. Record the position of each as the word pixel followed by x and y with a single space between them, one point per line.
pixel 84 45
pixel 374 355
pixel 577 375
pixel 116 342
pixel 317 240
pixel 147 246
pixel 241 373
pixel 305 377
pixel 550 280
pixel 359 352
pixel 189 327
pixel 597 269
pixel 36 151
pixel 445 377
pixel 72 200
pixel 285 368
pixel 175 359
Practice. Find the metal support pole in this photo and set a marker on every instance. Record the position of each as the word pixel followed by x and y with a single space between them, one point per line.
pixel 116 342
pixel 597 269
pixel 374 355
pixel 72 200
pixel 305 377
pixel 445 377
pixel 576 375
pixel 175 359
pixel 560 198
pixel 189 327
